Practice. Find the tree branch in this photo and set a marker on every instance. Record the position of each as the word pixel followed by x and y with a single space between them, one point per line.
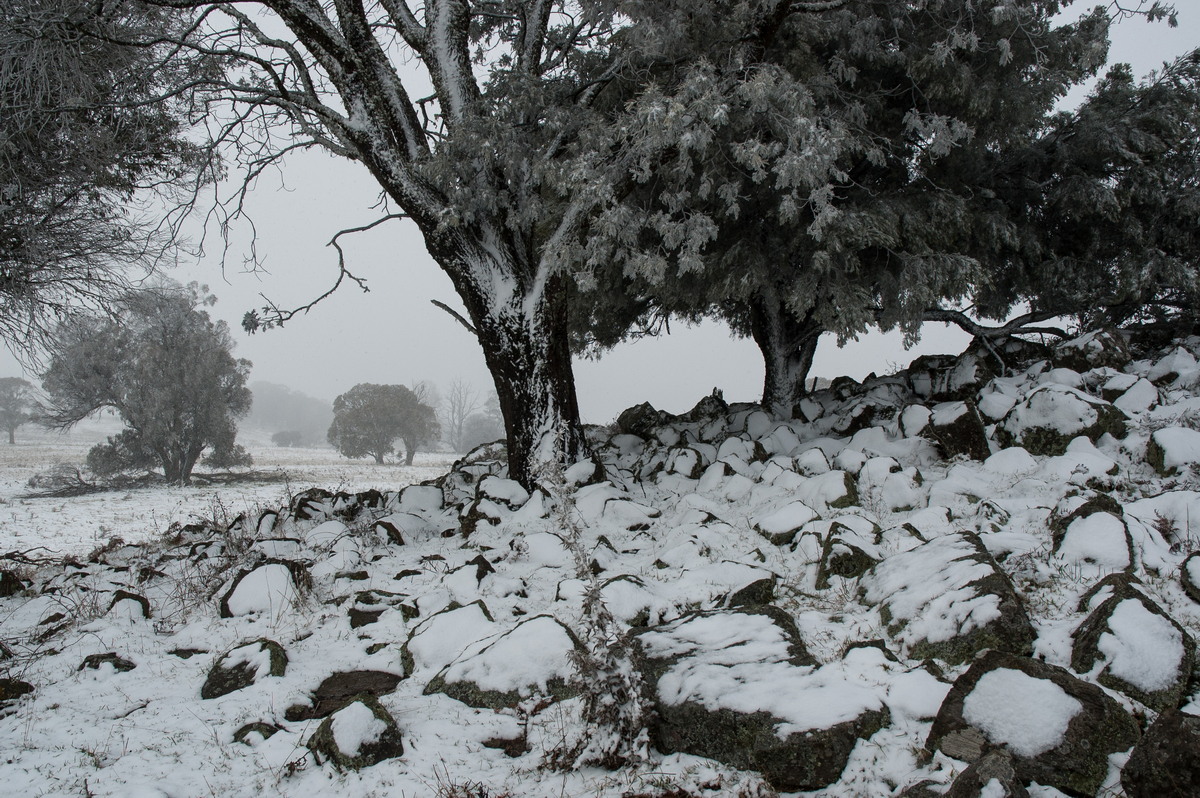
pixel 457 316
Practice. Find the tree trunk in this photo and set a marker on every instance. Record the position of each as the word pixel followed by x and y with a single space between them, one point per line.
pixel 12 438
pixel 788 345
pixel 378 458
pixel 410 451
pixel 521 326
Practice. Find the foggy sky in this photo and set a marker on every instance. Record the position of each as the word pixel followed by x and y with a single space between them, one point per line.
pixel 394 335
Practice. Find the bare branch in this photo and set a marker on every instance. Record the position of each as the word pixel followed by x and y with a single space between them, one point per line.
pixel 457 316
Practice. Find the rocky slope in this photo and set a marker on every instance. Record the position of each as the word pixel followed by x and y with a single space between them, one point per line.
pixel 976 577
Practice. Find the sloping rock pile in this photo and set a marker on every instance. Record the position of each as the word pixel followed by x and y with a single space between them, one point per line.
pixel 975 577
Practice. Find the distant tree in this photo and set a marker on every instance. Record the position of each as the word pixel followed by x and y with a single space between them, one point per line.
pixel 483 427
pixel 168 371
pixel 288 438
pixel 91 131
pixel 18 404
pixel 462 400
pixel 368 420
pixel 282 409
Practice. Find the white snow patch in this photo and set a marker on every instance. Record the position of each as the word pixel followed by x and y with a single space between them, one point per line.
pixel 1099 538
pixel 532 653
pixel 1180 445
pixel 267 589
pixel 1027 714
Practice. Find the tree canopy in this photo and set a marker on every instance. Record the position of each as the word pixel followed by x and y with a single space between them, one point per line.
pixel 168 371
pixel 94 142
pixel 368 420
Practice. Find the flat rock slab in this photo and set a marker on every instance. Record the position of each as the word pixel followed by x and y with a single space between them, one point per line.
pixel 948 599
pixel 1059 729
pixel 738 686
pixel 340 689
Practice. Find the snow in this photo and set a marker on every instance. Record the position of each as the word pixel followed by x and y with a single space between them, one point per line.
pixel 1055 407
pixel 354 726
pixel 1142 647
pixel 788 518
pixel 1139 398
pixel 1027 714
pixel 531 654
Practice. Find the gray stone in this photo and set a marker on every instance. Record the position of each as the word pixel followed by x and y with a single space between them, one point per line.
pixel 1166 762
pixel 1077 764
pixel 242 666
pixel 386 744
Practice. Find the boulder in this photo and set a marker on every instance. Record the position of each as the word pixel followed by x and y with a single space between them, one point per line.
pixel 360 734
pixel 1053 415
pixel 337 690
pixel 1173 449
pixel 1166 761
pixel 641 420
pixel 841 558
pixel 1104 348
pixel 1058 729
pixel 244 665
pixel 781 525
pixel 534 657
pixel 1094 535
pixel 1142 651
pixel 738 686
pixel 993 775
pixel 12 689
pixel 10 584
pixel 271 588
pixel 958 429
pixel 950 600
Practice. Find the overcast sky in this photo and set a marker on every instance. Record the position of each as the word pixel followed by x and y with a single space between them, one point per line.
pixel 393 334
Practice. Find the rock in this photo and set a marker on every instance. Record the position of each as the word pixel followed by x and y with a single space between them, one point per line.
pixel 958 429
pixel 360 734
pixel 271 587
pixel 264 730
pixel 1167 759
pixel 10 584
pixel 244 665
pixel 738 687
pixel 841 558
pixel 1054 415
pixel 948 599
pixel 142 602
pixel 12 689
pixel 1095 535
pixel 94 661
pixel 1173 449
pixel 1189 575
pixel 1104 348
pixel 993 775
pixel 340 689
pixel 641 420
pixel 1144 652
pixel 535 656
pixel 1059 730
pixel 781 525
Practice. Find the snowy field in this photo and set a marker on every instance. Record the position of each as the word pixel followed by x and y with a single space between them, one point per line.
pixel 77 525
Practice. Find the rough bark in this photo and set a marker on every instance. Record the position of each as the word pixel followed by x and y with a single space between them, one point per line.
pixel 787 345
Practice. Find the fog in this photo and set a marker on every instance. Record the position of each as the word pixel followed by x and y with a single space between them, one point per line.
pixel 393 334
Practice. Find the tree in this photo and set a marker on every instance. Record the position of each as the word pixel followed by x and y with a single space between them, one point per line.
pixel 18 405
pixel 94 139
pixel 483 427
pixel 481 165
pixel 462 400
pixel 302 418
pixel 368 419
pixel 168 371
pixel 826 173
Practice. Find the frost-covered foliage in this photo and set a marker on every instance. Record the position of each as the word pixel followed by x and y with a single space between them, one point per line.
pixel 166 369
pixel 798 173
pixel 91 130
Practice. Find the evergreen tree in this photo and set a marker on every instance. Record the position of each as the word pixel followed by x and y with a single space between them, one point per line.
pixel 368 419
pixel 168 371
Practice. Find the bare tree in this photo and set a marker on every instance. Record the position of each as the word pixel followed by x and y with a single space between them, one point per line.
pixel 462 400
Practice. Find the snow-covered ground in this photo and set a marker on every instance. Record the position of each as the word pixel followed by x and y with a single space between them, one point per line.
pixel 79 524
pixel 951 576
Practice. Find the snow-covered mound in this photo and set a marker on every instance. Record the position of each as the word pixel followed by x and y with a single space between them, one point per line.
pixel 976 577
